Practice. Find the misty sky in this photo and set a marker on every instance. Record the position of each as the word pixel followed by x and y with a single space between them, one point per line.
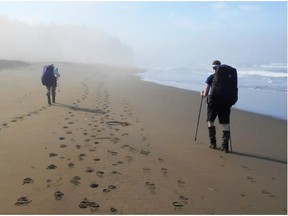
pixel 145 33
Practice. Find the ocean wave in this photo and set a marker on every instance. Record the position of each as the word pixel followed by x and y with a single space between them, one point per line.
pixel 262 73
pixel 252 78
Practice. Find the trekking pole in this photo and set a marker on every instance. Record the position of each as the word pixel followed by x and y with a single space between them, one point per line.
pixel 58 85
pixel 230 139
pixel 198 117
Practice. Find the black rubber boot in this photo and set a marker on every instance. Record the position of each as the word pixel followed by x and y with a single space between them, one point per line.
pixel 212 137
pixel 225 143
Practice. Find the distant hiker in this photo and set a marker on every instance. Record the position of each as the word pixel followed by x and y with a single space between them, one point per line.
pixel 221 89
pixel 49 79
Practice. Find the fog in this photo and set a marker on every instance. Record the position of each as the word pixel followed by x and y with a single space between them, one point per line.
pixel 50 42
pixel 147 34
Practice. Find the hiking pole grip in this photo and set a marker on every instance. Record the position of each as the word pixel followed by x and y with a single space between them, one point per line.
pixel 198 118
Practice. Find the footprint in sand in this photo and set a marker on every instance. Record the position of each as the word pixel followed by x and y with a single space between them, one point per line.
pixel 22 201
pixel 116 173
pixel 86 203
pixel 146 169
pixel 80 156
pixel 146 153
pixel 4 125
pixel 183 199
pixel 28 181
pixel 113 210
pixel 129 158
pixel 110 187
pixel 245 167
pixel 48 182
pixel 124 134
pixel 113 153
pixel 151 187
pixel 268 193
pixel 89 170
pixel 164 171
pixel 180 183
pixel 94 185
pixel 100 173
pixel 52 166
pixel 58 195
pixel 177 205
pixel 75 180
pixel 251 179
pixel 118 163
pixel 106 190
pixel 181 203
pixel 70 165
pixel 52 154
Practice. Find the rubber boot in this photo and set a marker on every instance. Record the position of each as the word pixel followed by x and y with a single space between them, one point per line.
pixel 49 99
pixel 225 143
pixel 212 137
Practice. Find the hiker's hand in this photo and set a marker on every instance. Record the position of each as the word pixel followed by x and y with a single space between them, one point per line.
pixel 202 93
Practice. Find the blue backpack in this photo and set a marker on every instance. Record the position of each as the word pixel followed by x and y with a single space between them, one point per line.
pixel 48 78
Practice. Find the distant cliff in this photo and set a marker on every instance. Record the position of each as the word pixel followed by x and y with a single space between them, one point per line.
pixel 5 64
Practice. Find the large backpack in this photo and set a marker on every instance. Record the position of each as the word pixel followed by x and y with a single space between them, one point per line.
pixel 48 78
pixel 224 85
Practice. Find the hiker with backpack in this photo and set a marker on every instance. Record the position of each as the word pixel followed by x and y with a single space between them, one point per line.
pixel 49 79
pixel 222 93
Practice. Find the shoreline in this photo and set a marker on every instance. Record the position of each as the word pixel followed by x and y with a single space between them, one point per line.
pixel 128 146
pixel 246 96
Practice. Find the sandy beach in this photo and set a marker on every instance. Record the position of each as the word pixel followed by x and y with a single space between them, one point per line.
pixel 113 144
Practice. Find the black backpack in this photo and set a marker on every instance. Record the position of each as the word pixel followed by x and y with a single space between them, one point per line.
pixel 224 85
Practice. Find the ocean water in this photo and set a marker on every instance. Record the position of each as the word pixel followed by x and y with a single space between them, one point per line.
pixel 261 89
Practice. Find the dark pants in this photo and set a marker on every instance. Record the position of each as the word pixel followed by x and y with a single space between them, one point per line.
pixel 51 91
pixel 216 108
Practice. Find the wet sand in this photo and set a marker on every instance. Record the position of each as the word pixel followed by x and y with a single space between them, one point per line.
pixel 113 144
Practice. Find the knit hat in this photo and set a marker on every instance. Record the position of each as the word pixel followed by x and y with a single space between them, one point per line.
pixel 216 63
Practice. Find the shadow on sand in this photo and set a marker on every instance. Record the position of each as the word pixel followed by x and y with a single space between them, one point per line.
pixel 75 108
pixel 259 157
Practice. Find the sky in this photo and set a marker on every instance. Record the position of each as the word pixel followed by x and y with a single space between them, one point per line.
pixel 149 33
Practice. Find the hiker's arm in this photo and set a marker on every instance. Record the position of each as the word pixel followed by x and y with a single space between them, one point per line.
pixel 206 91
pixel 56 73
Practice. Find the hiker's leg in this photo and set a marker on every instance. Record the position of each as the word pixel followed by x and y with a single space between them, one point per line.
pixel 53 93
pixel 211 116
pixel 48 94
pixel 224 119
pixel 212 136
pixel 226 127
pixel 225 142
